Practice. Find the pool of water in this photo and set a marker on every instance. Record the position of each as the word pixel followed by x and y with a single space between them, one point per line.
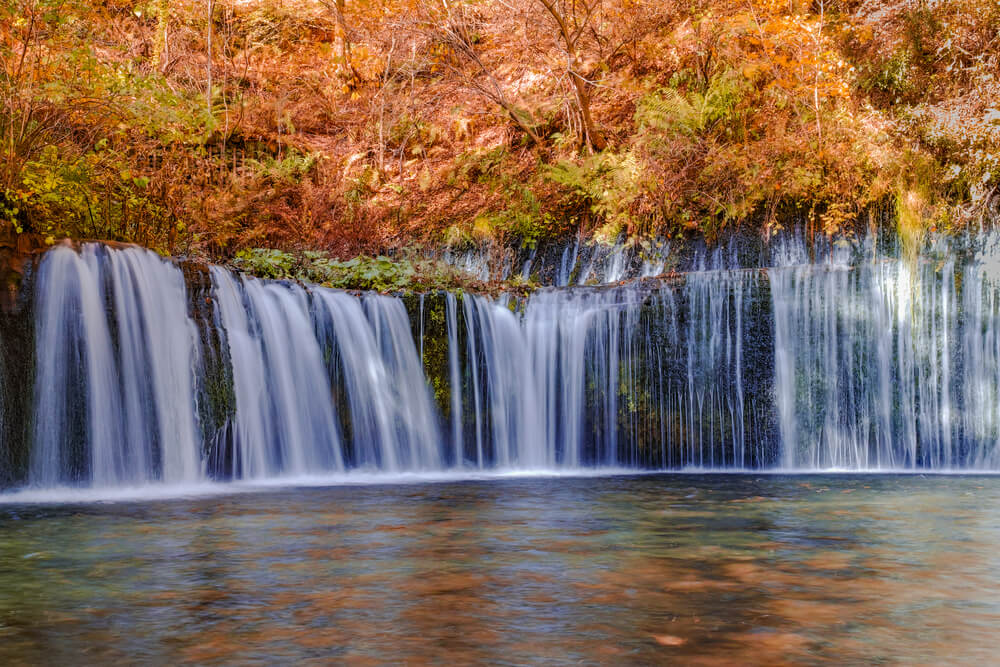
pixel 694 569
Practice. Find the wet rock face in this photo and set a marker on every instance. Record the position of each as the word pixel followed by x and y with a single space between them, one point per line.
pixel 19 255
pixel 18 264
pixel 574 261
pixel 215 397
pixel 277 378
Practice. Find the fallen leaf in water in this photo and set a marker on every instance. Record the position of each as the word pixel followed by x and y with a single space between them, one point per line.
pixel 669 640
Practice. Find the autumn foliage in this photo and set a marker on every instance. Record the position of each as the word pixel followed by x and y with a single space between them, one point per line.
pixel 361 126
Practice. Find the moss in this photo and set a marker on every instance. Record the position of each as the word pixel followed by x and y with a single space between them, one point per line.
pixel 380 274
pixel 216 393
pixel 428 321
pixel 17 368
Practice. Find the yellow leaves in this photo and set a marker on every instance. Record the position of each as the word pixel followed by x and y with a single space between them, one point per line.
pixel 462 128
pixel 482 228
pixel 774 6
pixel 425 179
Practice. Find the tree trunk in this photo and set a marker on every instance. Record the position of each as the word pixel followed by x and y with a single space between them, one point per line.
pixel 208 92
pixel 161 55
pixel 593 137
pixel 343 41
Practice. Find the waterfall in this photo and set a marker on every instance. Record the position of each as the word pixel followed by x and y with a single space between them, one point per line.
pixel 609 377
pixel 391 413
pixel 507 418
pixel 454 381
pixel 114 392
pixel 887 365
pixel 873 363
pixel 285 421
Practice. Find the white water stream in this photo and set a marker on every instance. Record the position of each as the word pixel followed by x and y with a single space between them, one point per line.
pixel 875 365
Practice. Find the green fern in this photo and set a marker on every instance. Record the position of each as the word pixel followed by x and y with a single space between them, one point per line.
pixel 608 182
pixel 290 169
pixel 695 112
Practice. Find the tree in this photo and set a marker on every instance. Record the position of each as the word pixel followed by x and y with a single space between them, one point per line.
pixel 161 55
pixel 208 49
pixel 345 63
pixel 572 19
pixel 453 27
pixel 40 103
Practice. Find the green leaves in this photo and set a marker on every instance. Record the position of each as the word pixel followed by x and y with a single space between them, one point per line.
pixel 380 274
pixel 609 183
pixel 288 169
pixel 266 263
pixel 693 112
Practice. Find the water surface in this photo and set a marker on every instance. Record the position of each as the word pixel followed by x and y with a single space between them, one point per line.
pixel 693 569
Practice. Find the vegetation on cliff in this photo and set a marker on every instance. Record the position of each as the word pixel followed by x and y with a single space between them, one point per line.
pixel 380 274
pixel 363 126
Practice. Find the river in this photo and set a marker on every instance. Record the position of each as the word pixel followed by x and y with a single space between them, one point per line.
pixel 713 569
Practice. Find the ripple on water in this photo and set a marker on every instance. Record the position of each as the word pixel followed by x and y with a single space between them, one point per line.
pixel 696 569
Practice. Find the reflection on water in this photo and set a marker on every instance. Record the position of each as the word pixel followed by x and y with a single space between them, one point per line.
pixel 725 569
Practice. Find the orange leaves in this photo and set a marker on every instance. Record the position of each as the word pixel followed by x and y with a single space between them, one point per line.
pixel 793 54
pixel 283 77
pixel 757 70
pixel 865 33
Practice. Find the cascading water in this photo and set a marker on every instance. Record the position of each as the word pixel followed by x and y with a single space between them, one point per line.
pixel 390 411
pixel 117 358
pixel 876 364
pixel 888 364
pixel 285 421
